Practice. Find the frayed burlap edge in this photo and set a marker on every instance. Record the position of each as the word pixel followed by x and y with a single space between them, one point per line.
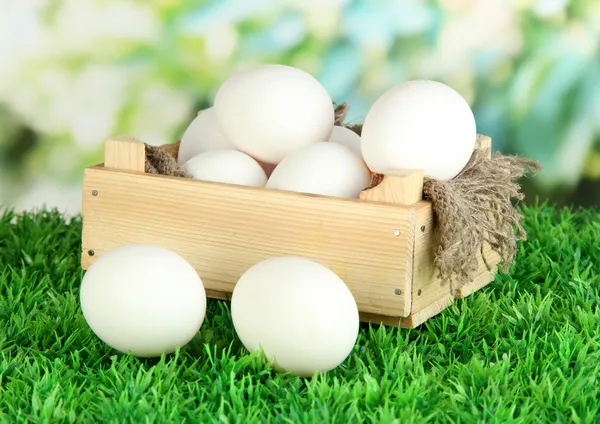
pixel 478 207
pixel 341 112
pixel 161 160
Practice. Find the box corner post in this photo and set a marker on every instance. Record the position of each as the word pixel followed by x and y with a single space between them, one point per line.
pixel 125 154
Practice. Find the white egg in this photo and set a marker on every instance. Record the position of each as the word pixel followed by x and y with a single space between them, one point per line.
pixel 324 168
pixel 269 111
pixel 143 299
pixel 226 166
pixel 419 125
pixel 202 135
pixel 299 312
pixel 346 137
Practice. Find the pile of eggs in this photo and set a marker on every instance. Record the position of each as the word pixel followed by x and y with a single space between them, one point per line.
pixel 273 126
pixel 147 300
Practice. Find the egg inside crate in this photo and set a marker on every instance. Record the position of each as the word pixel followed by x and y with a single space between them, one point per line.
pixel 143 299
pixel 419 124
pixel 324 168
pixel 269 111
pixel 346 137
pixel 226 166
pixel 298 312
pixel 202 135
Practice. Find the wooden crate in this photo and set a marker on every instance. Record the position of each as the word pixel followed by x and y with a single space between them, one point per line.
pixel 382 245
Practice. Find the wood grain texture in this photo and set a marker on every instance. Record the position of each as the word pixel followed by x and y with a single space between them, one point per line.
pixel 399 187
pixel 125 154
pixel 443 299
pixel 427 285
pixel 380 319
pixel 224 229
pixel 215 294
pixel 482 280
pixel 403 187
pixel 431 310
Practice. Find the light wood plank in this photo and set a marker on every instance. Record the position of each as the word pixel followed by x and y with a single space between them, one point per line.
pixel 224 229
pixel 480 282
pixel 380 319
pixel 125 153
pixel 431 310
pixel 215 294
pixel 399 187
pixel 427 286
pixel 403 187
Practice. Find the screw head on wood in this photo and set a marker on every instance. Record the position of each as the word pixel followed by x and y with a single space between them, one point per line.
pixel 94 192
pixel 423 228
pixel 398 292
pixel 91 252
pixel 419 292
pixel 397 233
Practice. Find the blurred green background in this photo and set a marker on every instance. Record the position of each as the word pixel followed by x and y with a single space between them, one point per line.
pixel 74 72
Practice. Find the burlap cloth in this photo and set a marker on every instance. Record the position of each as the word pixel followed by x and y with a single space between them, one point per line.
pixel 477 207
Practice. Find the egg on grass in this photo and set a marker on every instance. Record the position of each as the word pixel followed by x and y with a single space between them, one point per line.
pixel 226 166
pixel 202 135
pixel 269 111
pixel 296 312
pixel 419 124
pixel 325 168
pixel 346 137
pixel 143 299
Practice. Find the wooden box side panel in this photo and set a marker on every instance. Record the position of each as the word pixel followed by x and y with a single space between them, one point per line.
pixel 222 230
pixel 429 295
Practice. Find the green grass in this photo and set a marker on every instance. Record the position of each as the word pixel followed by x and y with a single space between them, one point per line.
pixel 524 349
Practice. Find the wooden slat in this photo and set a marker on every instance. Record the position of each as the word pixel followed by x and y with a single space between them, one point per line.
pixel 427 286
pixel 480 282
pixel 431 310
pixel 215 294
pixel 126 154
pixel 434 308
pixel 380 319
pixel 403 187
pixel 399 187
pixel 224 229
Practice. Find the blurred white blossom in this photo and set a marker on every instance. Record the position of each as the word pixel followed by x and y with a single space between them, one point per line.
pixel 221 41
pixel 161 109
